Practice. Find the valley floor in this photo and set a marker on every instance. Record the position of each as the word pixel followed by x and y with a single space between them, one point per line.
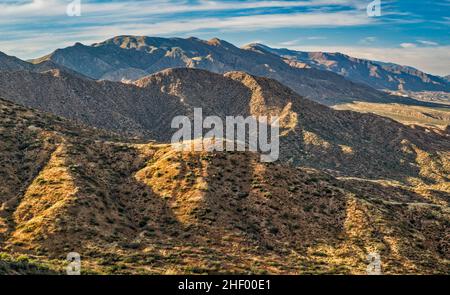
pixel 406 114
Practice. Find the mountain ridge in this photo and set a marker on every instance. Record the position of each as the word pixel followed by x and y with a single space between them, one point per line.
pixel 126 58
pixel 86 166
pixel 311 130
pixel 380 75
pixel 11 63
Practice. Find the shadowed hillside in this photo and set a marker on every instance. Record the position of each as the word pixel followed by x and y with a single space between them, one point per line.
pixel 342 142
pixel 145 208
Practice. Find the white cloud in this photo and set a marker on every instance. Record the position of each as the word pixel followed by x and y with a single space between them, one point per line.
pixel 11 10
pixel 156 18
pixel 290 42
pixel 316 38
pixel 47 19
pixel 408 45
pixel 368 40
pixel 42 8
pixel 299 40
pixel 24 46
pixel 429 43
pixel 270 21
pixel 419 42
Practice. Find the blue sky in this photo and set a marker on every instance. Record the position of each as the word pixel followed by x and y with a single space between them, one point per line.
pixel 410 32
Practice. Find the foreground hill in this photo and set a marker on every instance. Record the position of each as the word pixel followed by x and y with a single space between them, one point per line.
pixel 378 75
pixel 145 208
pixel 133 57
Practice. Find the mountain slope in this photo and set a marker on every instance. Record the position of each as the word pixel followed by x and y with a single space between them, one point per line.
pixel 11 64
pixel 345 143
pixel 114 106
pixel 352 143
pixel 145 208
pixel 373 73
pixel 133 57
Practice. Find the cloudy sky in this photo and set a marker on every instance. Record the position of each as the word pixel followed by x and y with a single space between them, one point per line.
pixel 409 32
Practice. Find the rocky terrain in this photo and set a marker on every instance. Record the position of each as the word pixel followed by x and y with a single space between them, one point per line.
pixel 12 64
pixel 136 207
pixel 376 74
pixel 86 163
pixel 128 58
pixel 354 144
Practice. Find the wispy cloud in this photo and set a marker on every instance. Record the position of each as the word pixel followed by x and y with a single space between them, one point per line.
pixel 95 33
pixel 316 38
pixel 368 40
pixel 301 40
pixel 31 28
pixel 43 8
pixel 419 43
pixel 22 20
pixel 429 43
pixel 290 42
pixel 408 45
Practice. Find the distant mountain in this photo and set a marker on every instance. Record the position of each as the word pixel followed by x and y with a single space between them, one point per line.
pixel 11 63
pixel 342 142
pixel 377 74
pixel 133 57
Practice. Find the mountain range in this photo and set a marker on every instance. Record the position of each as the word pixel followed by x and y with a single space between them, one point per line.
pixel 379 75
pixel 12 64
pixel 86 164
pixel 128 58
pixel 356 144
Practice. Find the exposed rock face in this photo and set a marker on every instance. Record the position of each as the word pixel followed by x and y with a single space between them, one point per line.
pixel 373 73
pixel 131 57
